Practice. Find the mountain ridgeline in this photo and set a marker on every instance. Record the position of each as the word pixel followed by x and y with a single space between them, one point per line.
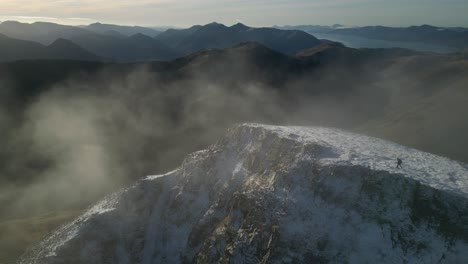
pixel 117 43
pixel 216 35
pixel 132 44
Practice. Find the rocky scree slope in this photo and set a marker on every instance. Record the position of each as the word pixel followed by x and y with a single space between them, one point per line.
pixel 268 194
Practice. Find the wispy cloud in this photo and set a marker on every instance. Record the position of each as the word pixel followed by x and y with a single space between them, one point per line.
pixel 31 19
pixel 79 18
pixel 27 18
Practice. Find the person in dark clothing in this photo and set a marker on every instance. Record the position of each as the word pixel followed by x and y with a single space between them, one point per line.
pixel 399 162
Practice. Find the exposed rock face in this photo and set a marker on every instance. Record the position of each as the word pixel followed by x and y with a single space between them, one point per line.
pixel 267 194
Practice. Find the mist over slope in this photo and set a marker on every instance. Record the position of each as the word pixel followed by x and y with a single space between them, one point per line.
pixel 268 194
pixel 165 110
pixel 74 131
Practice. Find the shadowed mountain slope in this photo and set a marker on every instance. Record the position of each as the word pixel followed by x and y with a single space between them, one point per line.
pixel 15 49
pixel 137 47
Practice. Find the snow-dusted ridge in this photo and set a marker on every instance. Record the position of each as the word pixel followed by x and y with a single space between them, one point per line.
pixel 270 194
pixel 377 154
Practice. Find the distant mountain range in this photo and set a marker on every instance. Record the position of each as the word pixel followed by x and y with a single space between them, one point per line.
pixel 133 44
pixel 41 32
pixel 130 44
pixel 456 37
pixel 107 42
pixel 216 35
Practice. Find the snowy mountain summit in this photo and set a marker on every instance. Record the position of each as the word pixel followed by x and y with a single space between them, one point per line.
pixel 270 194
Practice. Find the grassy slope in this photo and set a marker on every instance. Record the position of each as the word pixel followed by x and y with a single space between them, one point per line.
pixel 436 121
pixel 18 234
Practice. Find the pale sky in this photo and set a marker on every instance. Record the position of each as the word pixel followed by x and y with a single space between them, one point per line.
pixel 184 13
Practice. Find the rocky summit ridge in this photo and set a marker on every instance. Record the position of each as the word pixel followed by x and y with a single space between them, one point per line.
pixel 271 194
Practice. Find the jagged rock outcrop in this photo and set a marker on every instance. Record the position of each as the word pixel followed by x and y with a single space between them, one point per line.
pixel 267 194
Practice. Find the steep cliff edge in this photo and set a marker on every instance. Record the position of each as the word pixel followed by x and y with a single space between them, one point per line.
pixel 268 194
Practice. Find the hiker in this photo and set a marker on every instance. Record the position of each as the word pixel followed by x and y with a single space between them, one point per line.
pixel 399 162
